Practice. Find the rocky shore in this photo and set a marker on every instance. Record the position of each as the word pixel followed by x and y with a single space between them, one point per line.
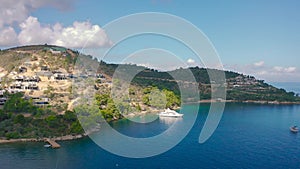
pixel 62 138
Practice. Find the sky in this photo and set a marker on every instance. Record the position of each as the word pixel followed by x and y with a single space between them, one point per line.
pixel 258 37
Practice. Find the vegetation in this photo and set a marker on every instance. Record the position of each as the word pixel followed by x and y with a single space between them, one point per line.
pixel 152 97
pixel 19 118
pixel 11 60
pixel 160 99
pixel 279 95
pixel 258 91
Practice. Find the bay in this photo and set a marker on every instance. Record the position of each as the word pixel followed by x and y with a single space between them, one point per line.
pixel 248 136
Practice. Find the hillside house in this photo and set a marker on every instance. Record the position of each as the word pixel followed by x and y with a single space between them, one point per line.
pixel 3 100
pixel 31 87
pixel 60 76
pixel 71 76
pixel 45 68
pixel 22 69
pixel 12 91
pixel 44 73
pixel 16 85
pixel 32 79
pixel 236 85
pixel 41 101
pixel 100 76
pixel 38 101
pixel 19 78
pixel 57 72
pixel 56 52
pixel 27 79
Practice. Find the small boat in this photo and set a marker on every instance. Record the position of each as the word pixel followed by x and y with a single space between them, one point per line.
pixel 170 113
pixel 47 145
pixel 294 129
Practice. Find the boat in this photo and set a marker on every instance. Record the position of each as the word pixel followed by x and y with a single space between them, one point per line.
pixel 294 129
pixel 169 113
pixel 47 145
pixel 169 120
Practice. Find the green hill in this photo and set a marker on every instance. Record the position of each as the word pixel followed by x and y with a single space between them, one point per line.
pixel 40 99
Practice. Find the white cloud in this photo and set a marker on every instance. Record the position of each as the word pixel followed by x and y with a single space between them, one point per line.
pixel 290 69
pixel 13 11
pixel 190 61
pixel 263 72
pixel 278 68
pixel 15 15
pixel 33 33
pixel 8 36
pixel 259 64
pixel 285 70
pixel 80 34
pixel 18 10
pixel 267 72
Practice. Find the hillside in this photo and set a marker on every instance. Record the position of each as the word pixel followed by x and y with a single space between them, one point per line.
pixel 45 74
pixel 239 87
pixel 39 98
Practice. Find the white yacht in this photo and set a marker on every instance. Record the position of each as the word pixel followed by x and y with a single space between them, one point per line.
pixel 170 113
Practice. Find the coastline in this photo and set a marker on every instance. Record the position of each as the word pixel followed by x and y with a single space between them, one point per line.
pixel 247 101
pixel 79 136
pixel 62 138
pixel 68 137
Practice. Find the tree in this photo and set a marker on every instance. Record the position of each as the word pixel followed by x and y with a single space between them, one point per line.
pixel 3 116
pixel 17 104
pixel 76 128
pixel 102 99
pixel 52 121
pixel 12 135
pixel 20 119
pixel 70 116
pixel 172 99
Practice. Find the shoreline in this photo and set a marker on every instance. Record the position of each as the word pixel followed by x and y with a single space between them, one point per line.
pixel 79 136
pixel 62 138
pixel 247 101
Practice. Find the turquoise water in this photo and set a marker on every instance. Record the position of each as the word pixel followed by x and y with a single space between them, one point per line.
pixel 248 136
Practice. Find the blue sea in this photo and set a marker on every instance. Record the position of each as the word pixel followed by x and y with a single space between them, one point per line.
pixel 248 136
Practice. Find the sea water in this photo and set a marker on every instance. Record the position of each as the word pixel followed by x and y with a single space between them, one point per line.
pixel 248 136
